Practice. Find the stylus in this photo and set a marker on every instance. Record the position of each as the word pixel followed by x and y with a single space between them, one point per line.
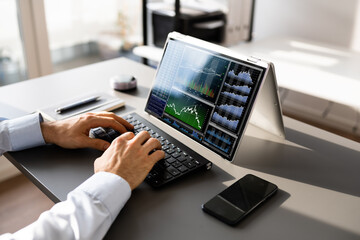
pixel 77 104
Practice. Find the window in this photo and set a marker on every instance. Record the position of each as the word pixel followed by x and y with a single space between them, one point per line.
pixel 87 31
pixel 12 62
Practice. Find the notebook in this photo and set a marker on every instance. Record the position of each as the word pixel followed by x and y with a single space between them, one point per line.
pixel 105 102
pixel 208 93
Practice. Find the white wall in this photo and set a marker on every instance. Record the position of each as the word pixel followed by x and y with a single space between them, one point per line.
pixel 356 34
pixel 330 21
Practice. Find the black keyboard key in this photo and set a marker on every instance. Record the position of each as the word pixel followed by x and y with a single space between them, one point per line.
pixel 176 155
pixel 167 155
pixel 137 127
pixel 154 174
pixel 170 151
pixel 171 160
pixel 182 158
pixel 189 164
pixel 165 147
pixel 167 176
pixel 182 168
pixel 160 164
pixel 151 177
pixel 98 130
pixel 173 171
pixel 101 133
pixel 176 164
pixel 112 133
pixel 196 162
pixel 156 182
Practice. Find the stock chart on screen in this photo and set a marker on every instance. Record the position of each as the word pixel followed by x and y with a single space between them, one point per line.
pixel 187 109
pixel 205 96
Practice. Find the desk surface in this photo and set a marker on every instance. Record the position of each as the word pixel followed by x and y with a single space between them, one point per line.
pixel 317 172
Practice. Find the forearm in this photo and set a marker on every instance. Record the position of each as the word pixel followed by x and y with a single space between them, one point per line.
pixel 87 213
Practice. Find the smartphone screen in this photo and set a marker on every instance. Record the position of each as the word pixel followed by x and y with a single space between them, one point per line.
pixel 235 202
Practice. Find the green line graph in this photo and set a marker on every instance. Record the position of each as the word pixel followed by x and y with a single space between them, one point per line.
pixel 188 110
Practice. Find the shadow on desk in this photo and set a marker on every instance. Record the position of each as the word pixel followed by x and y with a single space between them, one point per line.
pixel 163 216
pixel 179 206
pixel 317 161
pixel 139 91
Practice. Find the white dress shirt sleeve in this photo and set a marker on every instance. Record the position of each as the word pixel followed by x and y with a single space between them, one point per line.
pixel 21 133
pixel 87 213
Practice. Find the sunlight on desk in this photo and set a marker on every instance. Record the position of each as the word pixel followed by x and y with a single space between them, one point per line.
pixel 318 48
pixel 324 214
pixel 304 58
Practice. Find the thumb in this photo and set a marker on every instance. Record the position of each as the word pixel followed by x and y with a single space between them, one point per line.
pixel 98 144
pixel 156 156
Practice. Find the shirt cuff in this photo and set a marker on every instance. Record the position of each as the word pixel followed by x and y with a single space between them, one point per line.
pixel 112 190
pixel 25 132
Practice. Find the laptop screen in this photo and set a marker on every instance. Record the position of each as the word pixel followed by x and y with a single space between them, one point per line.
pixel 204 95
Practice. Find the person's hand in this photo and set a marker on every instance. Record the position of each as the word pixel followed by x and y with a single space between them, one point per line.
pixel 74 132
pixel 128 156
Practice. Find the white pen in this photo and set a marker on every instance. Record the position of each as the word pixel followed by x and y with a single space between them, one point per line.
pixel 77 104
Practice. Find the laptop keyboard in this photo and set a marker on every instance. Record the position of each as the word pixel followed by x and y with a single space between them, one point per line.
pixel 179 160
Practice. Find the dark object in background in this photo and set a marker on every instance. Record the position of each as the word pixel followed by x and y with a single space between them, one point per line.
pixel 203 25
pixel 123 82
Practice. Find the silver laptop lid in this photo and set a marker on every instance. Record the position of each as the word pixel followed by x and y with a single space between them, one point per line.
pixel 205 92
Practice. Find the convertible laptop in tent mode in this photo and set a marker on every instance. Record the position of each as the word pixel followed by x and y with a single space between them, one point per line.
pixel 201 100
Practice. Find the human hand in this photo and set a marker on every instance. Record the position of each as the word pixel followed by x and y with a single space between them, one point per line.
pixel 128 156
pixel 74 132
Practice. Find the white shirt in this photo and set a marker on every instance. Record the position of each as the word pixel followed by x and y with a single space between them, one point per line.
pixel 20 133
pixel 88 211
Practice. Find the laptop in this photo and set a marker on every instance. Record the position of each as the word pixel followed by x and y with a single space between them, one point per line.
pixel 201 101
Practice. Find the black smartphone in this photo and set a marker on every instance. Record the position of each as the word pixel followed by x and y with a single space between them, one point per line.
pixel 239 199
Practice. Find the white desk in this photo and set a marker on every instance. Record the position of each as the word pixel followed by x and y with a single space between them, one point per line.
pixel 317 172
